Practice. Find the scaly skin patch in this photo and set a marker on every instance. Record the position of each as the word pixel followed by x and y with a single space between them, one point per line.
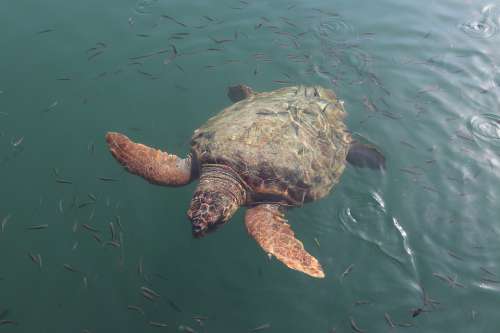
pixel 155 166
pixel 267 225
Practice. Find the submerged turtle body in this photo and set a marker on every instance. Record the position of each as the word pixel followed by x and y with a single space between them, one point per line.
pixel 268 151
pixel 288 145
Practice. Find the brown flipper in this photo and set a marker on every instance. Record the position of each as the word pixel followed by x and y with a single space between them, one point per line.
pixel 239 92
pixel 267 225
pixel 155 166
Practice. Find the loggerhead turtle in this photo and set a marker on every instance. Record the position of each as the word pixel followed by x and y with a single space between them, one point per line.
pixel 268 151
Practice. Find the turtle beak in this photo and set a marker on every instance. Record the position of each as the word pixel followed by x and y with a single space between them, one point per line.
pixel 198 229
pixel 201 228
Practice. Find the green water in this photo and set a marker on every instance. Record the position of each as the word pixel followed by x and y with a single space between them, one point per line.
pixel 420 81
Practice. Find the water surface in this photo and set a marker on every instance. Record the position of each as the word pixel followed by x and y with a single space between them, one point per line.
pixel 419 81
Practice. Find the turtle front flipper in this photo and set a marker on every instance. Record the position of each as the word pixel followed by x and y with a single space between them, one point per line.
pixel 364 155
pixel 154 165
pixel 239 92
pixel 267 225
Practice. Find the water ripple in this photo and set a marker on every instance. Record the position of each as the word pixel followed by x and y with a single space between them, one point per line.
pixel 365 221
pixel 144 6
pixel 487 127
pixel 336 28
pixel 484 27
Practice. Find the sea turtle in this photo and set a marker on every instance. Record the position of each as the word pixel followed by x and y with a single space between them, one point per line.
pixel 268 151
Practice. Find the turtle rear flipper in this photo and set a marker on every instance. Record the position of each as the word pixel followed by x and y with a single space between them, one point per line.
pixel 267 225
pixel 154 165
pixel 239 92
pixel 365 155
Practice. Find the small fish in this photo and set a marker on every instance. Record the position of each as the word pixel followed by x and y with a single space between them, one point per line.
pixel 85 282
pixel 473 315
pixel 389 320
pixel 140 267
pixel 92 197
pixel 148 296
pixel 71 268
pixel 37 227
pixel 487 271
pixel 118 221
pixel 112 230
pixel 8 321
pixel 174 20
pixel 34 258
pixel 454 255
pixel 441 277
pixel 4 314
pixel 107 179
pixel 220 41
pixel 63 181
pixel 408 144
pixel 136 308
pixel 91 147
pixel 94 55
pixel 411 171
pixel 51 106
pixel 85 204
pixel 173 305
pixel 143 56
pixel 89 227
pixel 75 246
pixel 354 326
pixel 157 324
pixel 17 142
pixel 160 276
pixel 144 73
pixel 317 242
pixel 180 68
pixel 4 222
pixel 185 328
pixel 40 262
pixel 45 31
pixel 150 291
pixel 112 243
pixel 61 209
pixel 142 35
pixel 347 271
pixel 97 238
pixel 260 328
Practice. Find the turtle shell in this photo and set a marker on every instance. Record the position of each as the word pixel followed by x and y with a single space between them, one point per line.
pixel 288 145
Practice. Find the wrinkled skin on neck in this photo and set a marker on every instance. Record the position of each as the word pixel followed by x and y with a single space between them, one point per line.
pixel 219 194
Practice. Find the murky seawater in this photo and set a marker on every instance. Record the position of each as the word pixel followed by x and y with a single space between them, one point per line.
pixel 415 246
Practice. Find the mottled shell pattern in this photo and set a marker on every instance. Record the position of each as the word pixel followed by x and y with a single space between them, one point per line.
pixel 288 145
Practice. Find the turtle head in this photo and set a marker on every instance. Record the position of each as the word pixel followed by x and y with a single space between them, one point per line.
pixel 216 199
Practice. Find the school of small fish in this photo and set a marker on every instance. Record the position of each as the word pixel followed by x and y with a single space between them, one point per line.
pixel 112 234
